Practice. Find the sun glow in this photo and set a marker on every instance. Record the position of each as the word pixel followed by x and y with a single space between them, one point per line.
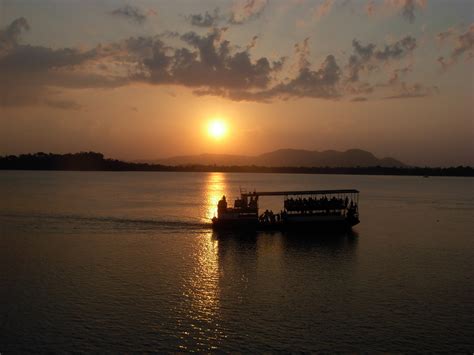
pixel 217 129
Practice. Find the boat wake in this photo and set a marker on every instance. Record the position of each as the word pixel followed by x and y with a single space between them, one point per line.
pixel 75 222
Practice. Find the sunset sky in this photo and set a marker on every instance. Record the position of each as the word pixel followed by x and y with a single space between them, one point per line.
pixel 144 79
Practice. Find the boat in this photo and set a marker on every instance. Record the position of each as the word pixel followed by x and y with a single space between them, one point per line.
pixel 310 210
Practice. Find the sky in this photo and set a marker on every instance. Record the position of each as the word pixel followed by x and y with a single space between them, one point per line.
pixel 143 79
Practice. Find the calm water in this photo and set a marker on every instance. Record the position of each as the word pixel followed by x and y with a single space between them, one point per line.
pixel 94 261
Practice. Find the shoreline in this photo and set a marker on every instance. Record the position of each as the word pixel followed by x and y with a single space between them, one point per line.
pixel 91 161
pixel 370 171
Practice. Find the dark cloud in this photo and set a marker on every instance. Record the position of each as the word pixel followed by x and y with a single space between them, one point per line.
pixel 397 73
pixel 462 45
pixel 9 35
pixel 358 88
pixel 27 60
pixel 207 63
pixel 131 13
pixel 409 91
pixel 406 8
pixel 321 83
pixel 360 59
pixel 29 72
pixel 302 52
pixel 75 79
pixel 204 61
pixel 363 52
pixel 368 57
pixel 204 20
pixel 246 10
pixel 396 50
pixel 396 86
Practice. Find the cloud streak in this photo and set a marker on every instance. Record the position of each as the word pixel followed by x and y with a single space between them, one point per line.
pixel 410 91
pixel 131 13
pixel 368 57
pixel 461 43
pixel 246 10
pixel 10 35
pixel 204 20
pixel 406 8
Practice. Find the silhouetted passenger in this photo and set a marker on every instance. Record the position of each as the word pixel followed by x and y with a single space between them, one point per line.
pixel 222 203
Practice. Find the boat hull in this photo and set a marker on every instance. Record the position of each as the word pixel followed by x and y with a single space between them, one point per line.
pixel 306 225
pixel 235 224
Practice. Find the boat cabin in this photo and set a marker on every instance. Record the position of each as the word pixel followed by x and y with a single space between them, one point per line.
pixel 299 207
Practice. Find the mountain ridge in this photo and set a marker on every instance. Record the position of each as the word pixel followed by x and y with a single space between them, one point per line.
pixel 286 157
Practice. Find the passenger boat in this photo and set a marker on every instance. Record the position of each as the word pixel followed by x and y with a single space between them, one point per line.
pixel 319 209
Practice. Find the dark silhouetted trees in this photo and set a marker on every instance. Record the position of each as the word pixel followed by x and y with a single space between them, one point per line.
pixel 91 161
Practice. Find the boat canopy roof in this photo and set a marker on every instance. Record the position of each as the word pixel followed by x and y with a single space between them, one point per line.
pixel 313 192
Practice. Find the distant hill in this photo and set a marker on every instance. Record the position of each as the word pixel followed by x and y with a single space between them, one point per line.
pixel 286 158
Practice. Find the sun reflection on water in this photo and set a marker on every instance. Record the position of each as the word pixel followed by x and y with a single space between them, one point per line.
pixel 201 295
pixel 215 188
pixel 201 292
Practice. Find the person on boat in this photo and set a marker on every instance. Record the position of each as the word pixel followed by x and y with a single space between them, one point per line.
pixel 272 217
pixel 222 204
pixel 253 202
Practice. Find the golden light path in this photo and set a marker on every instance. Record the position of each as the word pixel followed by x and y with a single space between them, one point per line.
pixel 215 188
pixel 201 289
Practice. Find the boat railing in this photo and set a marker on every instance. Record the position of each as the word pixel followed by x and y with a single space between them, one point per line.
pixel 318 202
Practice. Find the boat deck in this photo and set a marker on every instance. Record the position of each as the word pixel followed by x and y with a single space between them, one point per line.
pixel 315 212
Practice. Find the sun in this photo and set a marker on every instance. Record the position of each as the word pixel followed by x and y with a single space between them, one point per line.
pixel 217 129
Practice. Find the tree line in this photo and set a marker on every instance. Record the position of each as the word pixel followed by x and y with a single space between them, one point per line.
pixel 92 161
